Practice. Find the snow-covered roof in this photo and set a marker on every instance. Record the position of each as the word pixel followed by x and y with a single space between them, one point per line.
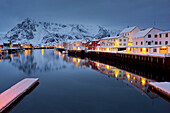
pixel 110 37
pixel 84 41
pixel 95 39
pixel 164 32
pixel 142 33
pixel 128 29
pixel 70 41
pixel 165 86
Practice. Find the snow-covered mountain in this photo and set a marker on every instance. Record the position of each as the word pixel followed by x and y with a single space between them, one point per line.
pixel 31 31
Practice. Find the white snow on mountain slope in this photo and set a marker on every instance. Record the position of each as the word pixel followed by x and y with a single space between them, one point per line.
pixel 46 33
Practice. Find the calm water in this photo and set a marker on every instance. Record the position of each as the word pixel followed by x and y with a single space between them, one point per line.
pixel 73 85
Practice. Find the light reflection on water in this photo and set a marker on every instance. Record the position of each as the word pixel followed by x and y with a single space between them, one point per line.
pixel 70 84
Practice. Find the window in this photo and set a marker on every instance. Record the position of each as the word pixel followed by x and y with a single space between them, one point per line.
pixel 141 43
pixel 166 35
pixel 136 43
pixel 120 44
pixel 141 49
pixel 154 50
pixel 147 50
pixel 120 40
pixel 160 35
pixel 156 36
pixel 156 42
pixel 149 36
pixel 166 42
pixel 149 43
pixel 124 44
pixel 160 42
pixel 124 40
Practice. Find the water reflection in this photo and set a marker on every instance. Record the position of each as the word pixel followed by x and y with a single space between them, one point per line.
pixel 31 62
pixel 140 83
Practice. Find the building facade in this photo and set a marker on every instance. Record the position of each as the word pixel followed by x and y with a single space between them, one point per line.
pixel 129 32
pixel 116 43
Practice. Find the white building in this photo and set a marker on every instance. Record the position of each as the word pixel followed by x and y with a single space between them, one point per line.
pixel 129 32
pixel 163 38
pixel 150 41
pixel 115 43
pixel 147 37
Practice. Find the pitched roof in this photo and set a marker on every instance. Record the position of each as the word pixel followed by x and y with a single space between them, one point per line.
pixel 128 29
pixel 164 32
pixel 142 33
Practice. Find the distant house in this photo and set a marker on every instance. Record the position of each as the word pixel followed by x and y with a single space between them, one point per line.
pixel 78 44
pixel 129 32
pixel 17 46
pixel 94 44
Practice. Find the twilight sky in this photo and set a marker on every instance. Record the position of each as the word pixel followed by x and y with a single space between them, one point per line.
pixel 109 13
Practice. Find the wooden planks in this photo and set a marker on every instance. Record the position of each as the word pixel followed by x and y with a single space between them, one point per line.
pixel 9 96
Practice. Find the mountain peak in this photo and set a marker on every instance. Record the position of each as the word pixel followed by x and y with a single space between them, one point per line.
pixel 51 33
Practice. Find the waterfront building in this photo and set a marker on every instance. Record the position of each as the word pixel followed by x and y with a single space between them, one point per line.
pixel 16 46
pixel 79 44
pixel 94 44
pixel 116 43
pixel 150 41
pixel 129 32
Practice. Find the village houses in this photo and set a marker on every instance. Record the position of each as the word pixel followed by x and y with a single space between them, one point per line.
pixel 149 41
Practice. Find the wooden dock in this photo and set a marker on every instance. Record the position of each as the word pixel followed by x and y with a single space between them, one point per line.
pixel 161 87
pixel 12 94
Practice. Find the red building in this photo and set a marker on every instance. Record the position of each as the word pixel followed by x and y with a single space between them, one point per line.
pixel 1 46
pixel 16 45
pixel 93 44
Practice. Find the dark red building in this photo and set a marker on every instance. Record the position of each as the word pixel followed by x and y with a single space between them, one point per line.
pixel 93 44
pixel 1 46
pixel 16 45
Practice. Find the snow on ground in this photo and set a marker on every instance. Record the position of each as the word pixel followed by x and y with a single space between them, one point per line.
pixel 165 86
